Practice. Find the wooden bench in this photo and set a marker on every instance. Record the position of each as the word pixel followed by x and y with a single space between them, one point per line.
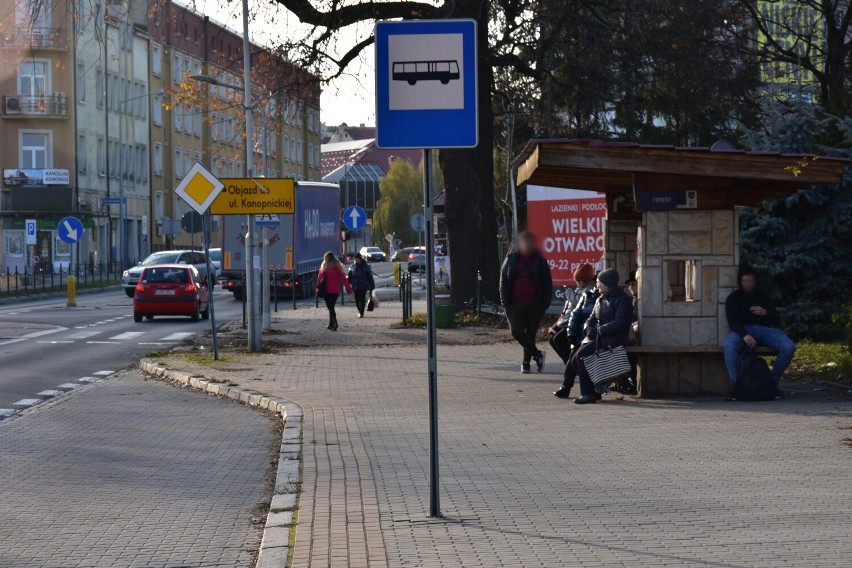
pixel 678 371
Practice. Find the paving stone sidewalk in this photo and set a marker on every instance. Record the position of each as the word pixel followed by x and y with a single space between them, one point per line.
pixel 134 473
pixel 530 480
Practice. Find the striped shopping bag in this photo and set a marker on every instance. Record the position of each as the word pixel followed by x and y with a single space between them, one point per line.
pixel 607 365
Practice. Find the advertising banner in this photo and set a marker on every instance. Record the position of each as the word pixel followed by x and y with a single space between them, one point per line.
pixel 569 224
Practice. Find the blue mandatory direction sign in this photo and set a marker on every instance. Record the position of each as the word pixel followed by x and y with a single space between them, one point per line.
pixel 426 84
pixel 354 218
pixel 70 230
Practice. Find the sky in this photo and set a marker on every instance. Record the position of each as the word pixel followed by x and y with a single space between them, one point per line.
pixel 349 98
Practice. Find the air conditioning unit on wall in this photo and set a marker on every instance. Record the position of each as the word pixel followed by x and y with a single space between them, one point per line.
pixel 13 105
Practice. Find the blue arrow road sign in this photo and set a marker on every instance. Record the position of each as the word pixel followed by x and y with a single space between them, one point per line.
pixel 354 218
pixel 70 230
pixel 426 84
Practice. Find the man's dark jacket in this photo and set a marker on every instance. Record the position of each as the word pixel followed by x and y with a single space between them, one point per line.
pixel 738 309
pixel 611 318
pixel 540 273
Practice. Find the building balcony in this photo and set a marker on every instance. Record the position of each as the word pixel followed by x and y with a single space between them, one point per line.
pixel 35 38
pixel 52 105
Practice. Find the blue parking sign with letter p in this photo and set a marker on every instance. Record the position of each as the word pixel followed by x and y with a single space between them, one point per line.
pixel 31 231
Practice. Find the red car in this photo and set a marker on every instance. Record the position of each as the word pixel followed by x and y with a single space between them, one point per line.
pixel 171 290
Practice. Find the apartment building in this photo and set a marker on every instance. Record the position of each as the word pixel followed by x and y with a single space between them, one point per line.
pixel 36 130
pixel 198 64
pixel 101 118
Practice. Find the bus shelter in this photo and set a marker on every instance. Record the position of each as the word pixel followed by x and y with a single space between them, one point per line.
pixel 673 217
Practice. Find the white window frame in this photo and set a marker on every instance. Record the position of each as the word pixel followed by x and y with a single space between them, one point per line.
pixel 158 158
pixel 157 111
pixel 157 60
pixel 159 210
pixel 48 79
pixel 178 162
pixel 82 155
pixel 48 148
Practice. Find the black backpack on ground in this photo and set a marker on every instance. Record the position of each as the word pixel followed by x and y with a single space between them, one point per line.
pixel 754 381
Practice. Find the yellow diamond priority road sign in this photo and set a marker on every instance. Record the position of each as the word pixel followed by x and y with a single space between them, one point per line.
pixel 255 196
pixel 199 188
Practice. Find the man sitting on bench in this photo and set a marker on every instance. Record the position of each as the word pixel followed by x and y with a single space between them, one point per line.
pixel 754 322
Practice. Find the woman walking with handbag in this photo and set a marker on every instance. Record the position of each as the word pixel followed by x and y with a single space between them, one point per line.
pixel 361 278
pixel 606 329
pixel 330 282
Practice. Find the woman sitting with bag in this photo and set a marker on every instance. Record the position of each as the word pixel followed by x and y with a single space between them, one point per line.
pixel 606 329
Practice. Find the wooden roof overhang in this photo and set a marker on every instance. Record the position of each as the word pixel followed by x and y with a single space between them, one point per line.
pixel 723 178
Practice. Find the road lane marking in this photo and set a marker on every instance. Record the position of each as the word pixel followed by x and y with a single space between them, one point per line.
pixel 50 393
pixel 102 373
pixel 55 342
pixel 83 334
pixel 178 336
pixel 127 335
pixel 25 403
pixel 7 412
pixel 103 342
pixel 67 386
pixel 88 379
pixel 33 335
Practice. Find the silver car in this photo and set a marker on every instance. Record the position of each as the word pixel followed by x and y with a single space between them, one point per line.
pixel 130 277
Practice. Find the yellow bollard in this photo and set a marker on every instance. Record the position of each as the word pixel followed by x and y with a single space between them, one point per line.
pixel 396 274
pixel 72 292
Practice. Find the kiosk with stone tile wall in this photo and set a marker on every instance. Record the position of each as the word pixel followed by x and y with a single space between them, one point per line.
pixel 685 251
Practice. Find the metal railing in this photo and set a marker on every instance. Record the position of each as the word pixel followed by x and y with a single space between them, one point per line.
pixel 45 278
pixel 406 296
pixel 55 104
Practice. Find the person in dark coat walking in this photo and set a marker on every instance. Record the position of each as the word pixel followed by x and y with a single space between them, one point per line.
pixel 361 278
pixel 607 327
pixel 754 321
pixel 526 287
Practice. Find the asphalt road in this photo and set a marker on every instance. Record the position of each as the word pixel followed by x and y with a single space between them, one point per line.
pixel 43 343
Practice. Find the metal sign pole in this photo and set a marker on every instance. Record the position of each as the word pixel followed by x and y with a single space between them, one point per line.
pixel 205 221
pixel 264 279
pixel 431 337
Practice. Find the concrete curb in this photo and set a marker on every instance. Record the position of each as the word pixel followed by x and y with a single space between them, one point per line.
pixel 275 545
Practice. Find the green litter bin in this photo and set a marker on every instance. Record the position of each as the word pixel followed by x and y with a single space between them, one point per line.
pixel 445 315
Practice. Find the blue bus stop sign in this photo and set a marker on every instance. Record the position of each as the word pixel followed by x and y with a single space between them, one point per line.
pixel 354 218
pixel 70 230
pixel 426 84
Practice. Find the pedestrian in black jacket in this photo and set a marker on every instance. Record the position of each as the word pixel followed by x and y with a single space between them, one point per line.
pixel 526 287
pixel 561 338
pixel 607 327
pixel 361 278
pixel 754 321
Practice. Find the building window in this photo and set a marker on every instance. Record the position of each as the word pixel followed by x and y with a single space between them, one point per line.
pixel 158 158
pixel 178 162
pixel 158 206
pixel 82 154
pixel 99 88
pixel 177 69
pixel 177 115
pixel 157 110
pixel 81 82
pixel 197 157
pixel 196 122
pixel 35 151
pixel 156 60
pixel 33 78
pixel 101 158
pixel 683 277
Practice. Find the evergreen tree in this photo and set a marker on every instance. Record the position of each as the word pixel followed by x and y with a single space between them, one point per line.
pixel 803 244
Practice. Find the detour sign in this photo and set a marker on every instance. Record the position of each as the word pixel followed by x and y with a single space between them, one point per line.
pixel 255 196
